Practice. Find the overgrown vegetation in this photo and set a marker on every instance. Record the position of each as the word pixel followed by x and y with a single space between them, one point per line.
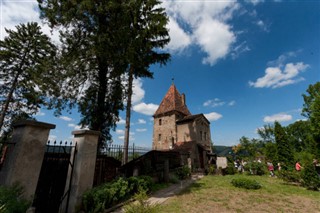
pixel 11 200
pixel 103 197
pixel 141 204
pixel 183 172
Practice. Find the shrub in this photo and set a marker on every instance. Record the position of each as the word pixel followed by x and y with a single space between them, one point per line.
pixel 11 200
pixel 183 172
pixel 290 176
pixel 310 178
pixel 245 183
pixel 141 205
pixel 102 197
pixel 230 170
pixel 255 168
pixel 212 170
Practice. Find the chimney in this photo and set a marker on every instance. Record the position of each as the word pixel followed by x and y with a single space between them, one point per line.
pixel 183 99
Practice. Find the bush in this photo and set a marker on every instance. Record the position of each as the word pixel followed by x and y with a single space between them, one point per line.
pixel 290 176
pixel 102 197
pixel 141 205
pixel 183 172
pixel 310 178
pixel 11 201
pixel 256 168
pixel 212 170
pixel 245 183
pixel 230 170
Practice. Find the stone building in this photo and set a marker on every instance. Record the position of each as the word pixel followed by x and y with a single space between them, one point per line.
pixel 175 128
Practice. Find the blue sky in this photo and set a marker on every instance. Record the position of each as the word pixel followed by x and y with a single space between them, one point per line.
pixel 242 64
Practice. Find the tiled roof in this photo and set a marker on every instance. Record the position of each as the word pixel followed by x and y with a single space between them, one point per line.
pixel 172 101
pixel 192 118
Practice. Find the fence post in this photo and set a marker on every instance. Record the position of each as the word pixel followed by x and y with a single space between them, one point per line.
pixel 84 165
pixel 23 164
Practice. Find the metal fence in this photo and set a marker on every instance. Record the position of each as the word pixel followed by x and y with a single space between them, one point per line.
pixel 116 151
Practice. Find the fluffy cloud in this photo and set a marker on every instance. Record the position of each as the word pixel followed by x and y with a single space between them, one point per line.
pixel 141 130
pixel 16 12
pixel 213 116
pixel 280 117
pixel 146 109
pixel 121 121
pixel 275 77
pixel 201 23
pixel 138 91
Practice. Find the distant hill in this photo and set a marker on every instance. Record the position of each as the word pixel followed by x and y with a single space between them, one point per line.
pixel 222 151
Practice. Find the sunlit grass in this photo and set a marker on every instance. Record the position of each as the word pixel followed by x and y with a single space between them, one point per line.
pixel 217 194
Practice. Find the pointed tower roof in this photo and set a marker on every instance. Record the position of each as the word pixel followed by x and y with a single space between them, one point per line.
pixel 173 101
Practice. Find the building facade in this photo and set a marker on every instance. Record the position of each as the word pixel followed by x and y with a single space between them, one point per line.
pixel 175 128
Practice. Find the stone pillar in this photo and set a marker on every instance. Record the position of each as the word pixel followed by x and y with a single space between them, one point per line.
pixel 23 164
pixel 84 166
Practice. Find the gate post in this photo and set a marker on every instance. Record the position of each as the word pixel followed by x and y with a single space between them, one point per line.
pixel 84 166
pixel 23 164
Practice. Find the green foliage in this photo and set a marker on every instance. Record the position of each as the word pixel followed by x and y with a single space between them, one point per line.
pixel 183 172
pixel 284 148
pixel 212 170
pixel 11 201
pixel 102 197
pixel 290 176
pixel 310 177
pixel 245 183
pixel 255 168
pixel 311 110
pixel 141 205
pixel 27 59
pixel 229 170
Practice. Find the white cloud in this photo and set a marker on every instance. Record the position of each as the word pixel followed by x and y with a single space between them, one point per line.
pixel 141 121
pixel 65 118
pixel 263 26
pixel 239 49
pixel 71 125
pixel 120 131
pixel 16 12
pixel 282 59
pixel 254 2
pixel 146 109
pixel 52 137
pixel 275 77
pixel 214 103
pixel 201 23
pixel 280 117
pixel 213 116
pixel 217 102
pixel 121 121
pixel 39 113
pixel 141 130
pixel 138 91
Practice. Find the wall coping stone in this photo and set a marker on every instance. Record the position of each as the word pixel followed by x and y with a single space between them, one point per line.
pixel 35 124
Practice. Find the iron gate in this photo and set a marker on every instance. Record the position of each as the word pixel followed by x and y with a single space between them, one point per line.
pixel 50 192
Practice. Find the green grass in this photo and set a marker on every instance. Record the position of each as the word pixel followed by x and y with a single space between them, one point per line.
pixel 217 194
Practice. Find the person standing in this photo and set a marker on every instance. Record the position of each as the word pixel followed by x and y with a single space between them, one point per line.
pixel 298 166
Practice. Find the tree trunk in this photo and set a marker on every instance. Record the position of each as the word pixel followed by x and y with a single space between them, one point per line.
pixel 128 116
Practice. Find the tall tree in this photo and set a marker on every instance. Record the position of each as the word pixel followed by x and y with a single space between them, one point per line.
pixel 311 109
pixel 148 34
pixel 284 148
pixel 94 58
pixel 27 77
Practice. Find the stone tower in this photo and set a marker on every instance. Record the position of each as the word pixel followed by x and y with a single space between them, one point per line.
pixel 172 108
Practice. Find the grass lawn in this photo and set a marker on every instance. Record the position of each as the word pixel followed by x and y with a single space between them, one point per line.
pixel 217 194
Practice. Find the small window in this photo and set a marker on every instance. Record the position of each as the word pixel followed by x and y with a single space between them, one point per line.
pixel 205 136
pixel 201 135
pixel 160 122
pixel 159 137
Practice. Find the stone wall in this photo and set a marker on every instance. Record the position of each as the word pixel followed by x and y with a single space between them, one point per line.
pixel 168 132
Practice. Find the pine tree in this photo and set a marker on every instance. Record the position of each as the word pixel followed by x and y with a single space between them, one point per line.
pixel 284 148
pixel 26 72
